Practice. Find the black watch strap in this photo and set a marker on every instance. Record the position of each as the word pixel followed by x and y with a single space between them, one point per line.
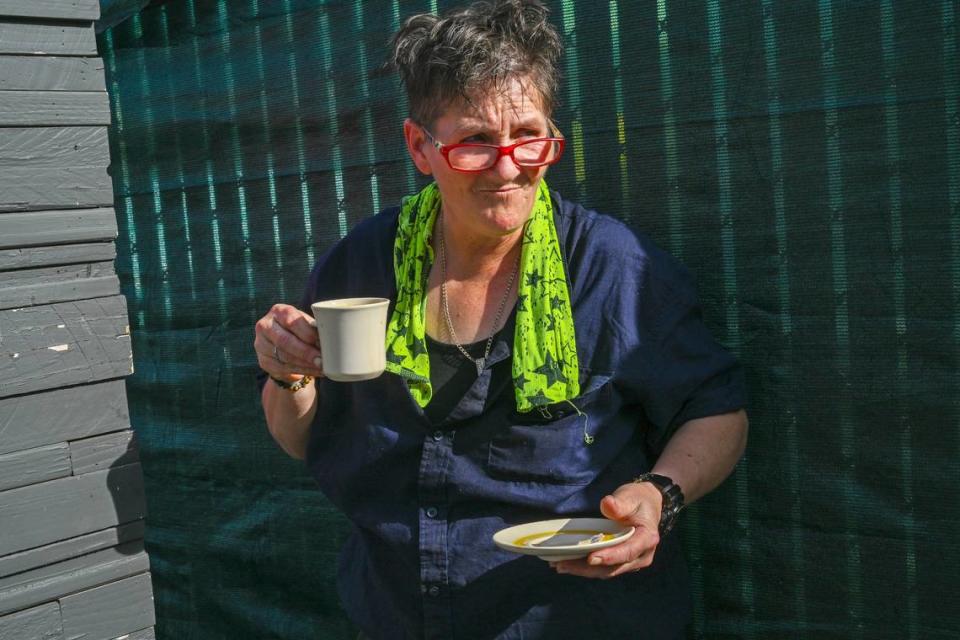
pixel 672 499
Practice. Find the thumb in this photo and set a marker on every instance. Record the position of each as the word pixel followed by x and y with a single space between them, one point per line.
pixel 617 507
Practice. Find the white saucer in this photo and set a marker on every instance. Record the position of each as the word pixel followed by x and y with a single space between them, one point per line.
pixel 563 539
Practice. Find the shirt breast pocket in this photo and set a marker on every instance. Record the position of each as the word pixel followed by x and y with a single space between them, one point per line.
pixel 549 446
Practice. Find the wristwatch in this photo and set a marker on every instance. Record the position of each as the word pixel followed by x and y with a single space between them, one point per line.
pixel 672 499
pixel 292 387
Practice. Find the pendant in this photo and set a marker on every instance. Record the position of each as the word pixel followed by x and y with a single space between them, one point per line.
pixel 480 362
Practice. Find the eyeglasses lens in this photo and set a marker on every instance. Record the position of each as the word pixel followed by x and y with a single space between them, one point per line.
pixel 535 153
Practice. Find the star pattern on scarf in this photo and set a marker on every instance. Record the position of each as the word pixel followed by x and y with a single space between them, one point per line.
pixel 551 371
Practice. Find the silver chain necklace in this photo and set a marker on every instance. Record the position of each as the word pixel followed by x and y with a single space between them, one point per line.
pixel 481 361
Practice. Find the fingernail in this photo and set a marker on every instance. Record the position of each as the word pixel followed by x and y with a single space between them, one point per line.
pixel 318 362
pixel 595 561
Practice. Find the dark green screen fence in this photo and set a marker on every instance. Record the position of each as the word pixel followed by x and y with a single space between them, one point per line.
pixel 801 157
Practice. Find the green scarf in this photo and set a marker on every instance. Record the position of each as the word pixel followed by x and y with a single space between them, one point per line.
pixel 545 365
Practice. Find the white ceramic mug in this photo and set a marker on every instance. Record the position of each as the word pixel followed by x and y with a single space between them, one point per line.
pixel 353 334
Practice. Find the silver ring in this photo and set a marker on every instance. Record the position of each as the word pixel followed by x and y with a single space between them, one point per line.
pixel 276 354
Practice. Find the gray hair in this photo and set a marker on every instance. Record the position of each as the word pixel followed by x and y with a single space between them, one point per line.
pixel 449 58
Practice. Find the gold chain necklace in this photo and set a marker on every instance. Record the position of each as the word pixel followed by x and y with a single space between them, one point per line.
pixel 481 361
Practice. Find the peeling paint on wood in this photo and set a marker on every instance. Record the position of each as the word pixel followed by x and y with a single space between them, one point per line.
pixel 45 228
pixel 43 513
pixel 71 548
pixel 54 147
pixel 29 287
pixel 58 415
pixel 64 39
pixel 48 583
pixel 53 108
pixel 96 331
pixel 23 468
pixel 39 623
pixel 103 452
pixel 24 73
pixel 129 603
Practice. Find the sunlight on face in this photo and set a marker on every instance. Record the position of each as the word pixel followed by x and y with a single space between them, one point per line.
pixel 497 201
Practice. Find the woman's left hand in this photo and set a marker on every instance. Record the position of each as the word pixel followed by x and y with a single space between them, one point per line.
pixel 637 505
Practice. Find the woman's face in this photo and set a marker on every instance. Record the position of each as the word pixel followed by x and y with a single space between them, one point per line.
pixel 497 201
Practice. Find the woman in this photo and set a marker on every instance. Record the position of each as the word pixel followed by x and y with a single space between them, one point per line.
pixel 544 361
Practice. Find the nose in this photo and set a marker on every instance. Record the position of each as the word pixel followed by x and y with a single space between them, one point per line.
pixel 505 168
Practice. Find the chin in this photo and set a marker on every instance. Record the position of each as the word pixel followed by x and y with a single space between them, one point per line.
pixel 506 220
pixel 509 215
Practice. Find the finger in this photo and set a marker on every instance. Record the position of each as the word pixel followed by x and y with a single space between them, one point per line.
pixel 289 366
pixel 295 354
pixel 637 505
pixel 292 349
pixel 301 324
pixel 617 508
pixel 293 320
pixel 583 569
pixel 637 545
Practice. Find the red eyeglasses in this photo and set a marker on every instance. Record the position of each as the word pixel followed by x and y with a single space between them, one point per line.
pixel 471 157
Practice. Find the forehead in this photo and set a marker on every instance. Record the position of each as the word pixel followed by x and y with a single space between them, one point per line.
pixel 516 102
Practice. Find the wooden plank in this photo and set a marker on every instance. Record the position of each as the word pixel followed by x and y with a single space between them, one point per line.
pixel 23 468
pixel 59 509
pixel 29 287
pixel 64 344
pixel 54 39
pixel 58 415
pixel 53 147
pixel 30 188
pixel 26 73
pixel 38 623
pixel 47 583
pixel 53 108
pixel 143 634
pixel 70 548
pixel 102 452
pixel 110 610
pixel 32 257
pixel 62 9
pixel 45 228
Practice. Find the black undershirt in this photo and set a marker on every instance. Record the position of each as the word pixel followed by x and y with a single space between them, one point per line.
pixel 452 375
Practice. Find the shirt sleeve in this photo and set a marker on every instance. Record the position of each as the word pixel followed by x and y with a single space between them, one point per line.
pixel 679 372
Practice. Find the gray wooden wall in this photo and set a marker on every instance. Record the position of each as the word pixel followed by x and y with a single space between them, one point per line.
pixel 72 563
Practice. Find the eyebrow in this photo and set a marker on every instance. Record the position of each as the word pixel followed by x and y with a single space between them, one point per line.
pixel 478 126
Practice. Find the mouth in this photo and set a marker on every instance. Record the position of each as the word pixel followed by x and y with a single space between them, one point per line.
pixel 501 190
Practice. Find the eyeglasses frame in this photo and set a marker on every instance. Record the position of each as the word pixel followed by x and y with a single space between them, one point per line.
pixel 506 150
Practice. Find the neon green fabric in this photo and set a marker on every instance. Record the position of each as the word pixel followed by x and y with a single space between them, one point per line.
pixel 545 364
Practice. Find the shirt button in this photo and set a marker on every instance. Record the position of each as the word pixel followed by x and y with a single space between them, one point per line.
pixel 434 591
pixel 432 512
pixel 438 435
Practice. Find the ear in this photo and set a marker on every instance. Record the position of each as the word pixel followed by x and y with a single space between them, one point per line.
pixel 416 142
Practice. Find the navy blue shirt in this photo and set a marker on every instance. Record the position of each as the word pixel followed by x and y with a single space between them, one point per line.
pixel 425 499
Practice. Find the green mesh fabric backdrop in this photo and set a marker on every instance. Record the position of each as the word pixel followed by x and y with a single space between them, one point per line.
pixel 801 157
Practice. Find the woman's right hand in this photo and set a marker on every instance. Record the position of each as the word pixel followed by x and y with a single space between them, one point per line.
pixel 287 344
